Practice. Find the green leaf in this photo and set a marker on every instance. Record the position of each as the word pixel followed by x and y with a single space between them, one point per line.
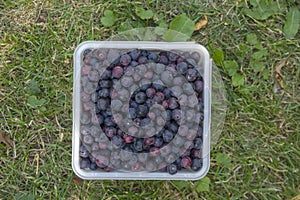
pixel 252 38
pixel 231 67
pixel 33 88
pixel 34 102
pixel 262 10
pixel 203 185
pixel 266 74
pixel 257 65
pixel 183 25
pixel 223 159
pixel 161 28
pixel 292 22
pixel 109 18
pixel 144 14
pixel 218 57
pixel 182 184
pixel 259 54
pixel 237 80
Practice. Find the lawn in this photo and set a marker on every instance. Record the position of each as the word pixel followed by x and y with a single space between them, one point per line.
pixel 258 153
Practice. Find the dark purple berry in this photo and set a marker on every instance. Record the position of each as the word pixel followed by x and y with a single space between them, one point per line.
pixel 142 111
pixel 182 67
pixel 110 131
pixel 125 60
pixel 172 168
pixel 172 56
pixel 186 162
pixel 134 54
pixel 198 86
pixel 176 114
pixel 84 163
pixel 153 56
pixel 140 97
pixel 142 60
pixel 196 164
pixel 198 143
pixel 196 56
pixel 132 113
pixel 93 166
pixel 117 72
pixel 195 153
pixel 173 104
pixel 158 142
pixel 163 59
pixel 117 140
pixel 105 83
pixel 127 139
pixel 138 145
pixel 150 92
pixel 83 152
pixel 167 136
pixel 191 74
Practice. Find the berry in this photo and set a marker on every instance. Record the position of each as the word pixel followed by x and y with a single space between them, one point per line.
pixel 83 152
pixel 87 139
pixel 196 164
pixel 176 114
pixel 167 136
pixel 132 113
pixel 140 97
pixel 125 60
pixel 195 153
pixel 158 97
pixel 142 60
pixel 110 131
pixel 149 141
pixel 172 168
pixel 197 143
pixel 117 72
pixel 117 140
pixel 173 104
pixel 105 92
pixel 105 83
pixel 144 122
pixel 158 142
pixel 150 92
pixel 158 86
pixel 84 163
pixel 198 86
pixel 138 145
pixel 127 139
pixel 196 56
pixel 167 92
pixel 182 67
pixel 93 166
pixel 163 59
pixel 172 56
pixel 186 162
pixel 134 64
pixel 109 121
pixel 191 74
pixel 142 111
pixel 153 56
pixel 134 54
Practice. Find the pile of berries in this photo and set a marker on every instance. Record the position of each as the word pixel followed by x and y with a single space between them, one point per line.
pixel 104 72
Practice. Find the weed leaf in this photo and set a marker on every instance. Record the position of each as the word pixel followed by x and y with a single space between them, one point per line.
pixel 203 185
pixel 144 14
pixel 109 18
pixel 292 22
pixel 183 25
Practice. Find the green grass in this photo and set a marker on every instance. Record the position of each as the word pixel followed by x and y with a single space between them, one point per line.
pixel 261 133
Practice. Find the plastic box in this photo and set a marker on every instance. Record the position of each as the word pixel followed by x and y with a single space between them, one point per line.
pixel 205 70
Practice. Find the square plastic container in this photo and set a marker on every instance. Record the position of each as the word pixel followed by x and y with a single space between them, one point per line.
pixel 205 70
